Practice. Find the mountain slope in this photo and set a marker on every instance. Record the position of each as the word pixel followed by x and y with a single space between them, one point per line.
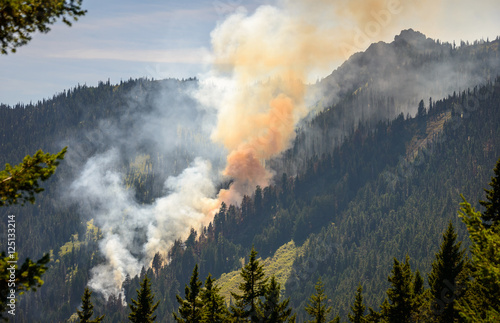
pixel 360 186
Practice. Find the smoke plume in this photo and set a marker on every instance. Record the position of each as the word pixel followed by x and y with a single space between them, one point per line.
pixel 268 57
pixel 252 101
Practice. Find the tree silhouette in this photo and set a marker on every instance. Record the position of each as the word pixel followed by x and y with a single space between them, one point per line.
pixel 142 309
pixel 87 309
pixel 21 18
pixel 190 309
pixel 252 288
pixel 317 304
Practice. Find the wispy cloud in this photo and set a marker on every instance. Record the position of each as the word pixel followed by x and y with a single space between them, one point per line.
pixel 178 55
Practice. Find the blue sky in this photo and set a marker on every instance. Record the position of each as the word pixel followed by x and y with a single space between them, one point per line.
pixel 118 40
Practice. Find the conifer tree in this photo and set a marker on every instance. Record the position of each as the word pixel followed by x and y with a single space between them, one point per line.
pixel 190 307
pixel 87 309
pixel 253 287
pixel 19 184
pixel 374 316
pixel 443 279
pixel 142 309
pixel 418 284
pixel 492 203
pixel 358 308
pixel 214 308
pixel 274 310
pixel 317 305
pixel 420 299
pixel 481 302
pixel 399 308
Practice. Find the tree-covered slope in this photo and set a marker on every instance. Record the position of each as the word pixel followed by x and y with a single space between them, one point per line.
pixel 361 184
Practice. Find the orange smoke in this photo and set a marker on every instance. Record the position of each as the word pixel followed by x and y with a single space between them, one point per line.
pixel 274 131
pixel 268 56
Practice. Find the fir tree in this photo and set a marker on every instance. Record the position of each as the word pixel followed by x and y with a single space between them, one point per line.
pixel 142 309
pixel 20 183
pixel 358 308
pixel 253 287
pixel 481 302
pixel 190 308
pixel 420 299
pixel 87 309
pixel 274 310
pixel 400 306
pixel 492 203
pixel 157 263
pixel 317 305
pixel 418 284
pixel 443 279
pixel 214 309
pixel 374 316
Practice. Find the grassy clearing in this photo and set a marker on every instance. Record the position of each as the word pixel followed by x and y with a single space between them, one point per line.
pixel 279 265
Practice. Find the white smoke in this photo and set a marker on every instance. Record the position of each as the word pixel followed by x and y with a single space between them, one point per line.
pixel 133 233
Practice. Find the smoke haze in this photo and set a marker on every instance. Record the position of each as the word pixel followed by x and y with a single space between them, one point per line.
pixel 242 113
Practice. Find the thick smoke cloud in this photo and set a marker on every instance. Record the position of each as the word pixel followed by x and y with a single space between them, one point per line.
pixel 172 129
pixel 268 56
pixel 248 106
pixel 126 224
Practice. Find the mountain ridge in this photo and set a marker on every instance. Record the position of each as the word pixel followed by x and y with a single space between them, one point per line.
pixel 351 204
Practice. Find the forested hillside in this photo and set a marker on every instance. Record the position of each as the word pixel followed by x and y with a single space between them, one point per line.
pixel 374 173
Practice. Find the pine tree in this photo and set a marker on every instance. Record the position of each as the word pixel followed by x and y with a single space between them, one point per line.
pixel 157 263
pixel 418 284
pixel 214 308
pixel 358 308
pixel 420 299
pixel 190 308
pixel 481 302
pixel 399 309
pixel 257 201
pixel 252 288
pixel 374 316
pixel 20 183
pixel 87 309
pixel 272 309
pixel 492 203
pixel 142 309
pixel 317 305
pixel 443 279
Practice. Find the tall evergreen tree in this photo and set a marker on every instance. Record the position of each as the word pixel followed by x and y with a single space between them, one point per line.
pixel 481 302
pixel 492 202
pixel 253 287
pixel 420 299
pixel 87 309
pixel 399 308
pixel 142 309
pixel 358 308
pixel 274 310
pixel 214 308
pixel 316 308
pixel 190 308
pixel 418 284
pixel 443 279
